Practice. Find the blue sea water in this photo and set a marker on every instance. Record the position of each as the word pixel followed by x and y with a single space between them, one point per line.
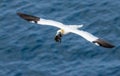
pixel 30 50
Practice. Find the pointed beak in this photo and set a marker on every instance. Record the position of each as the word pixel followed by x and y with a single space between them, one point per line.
pixel 58 37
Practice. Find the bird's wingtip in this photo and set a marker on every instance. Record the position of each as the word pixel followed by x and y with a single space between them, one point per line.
pixel 103 43
pixel 18 13
pixel 28 17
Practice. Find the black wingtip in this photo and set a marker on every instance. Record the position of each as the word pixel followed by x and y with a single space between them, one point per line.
pixel 28 17
pixel 103 43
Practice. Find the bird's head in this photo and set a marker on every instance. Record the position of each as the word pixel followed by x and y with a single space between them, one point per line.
pixel 59 35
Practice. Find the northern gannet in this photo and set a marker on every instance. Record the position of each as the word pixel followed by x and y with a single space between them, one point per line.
pixel 66 29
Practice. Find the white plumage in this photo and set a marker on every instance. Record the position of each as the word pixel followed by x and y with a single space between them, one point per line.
pixel 66 29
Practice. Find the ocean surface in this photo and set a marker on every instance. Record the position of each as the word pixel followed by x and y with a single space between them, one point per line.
pixel 28 49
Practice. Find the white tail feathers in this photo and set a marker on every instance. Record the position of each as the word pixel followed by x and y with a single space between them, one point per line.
pixel 75 26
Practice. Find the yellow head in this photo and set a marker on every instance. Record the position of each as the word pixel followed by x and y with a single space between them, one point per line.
pixel 62 31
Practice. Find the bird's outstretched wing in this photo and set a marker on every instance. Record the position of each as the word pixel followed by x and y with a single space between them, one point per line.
pixel 84 34
pixel 34 19
pixel 93 39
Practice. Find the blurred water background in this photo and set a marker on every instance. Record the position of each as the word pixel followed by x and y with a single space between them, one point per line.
pixel 30 50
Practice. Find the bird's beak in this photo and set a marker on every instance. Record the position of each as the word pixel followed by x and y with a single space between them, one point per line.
pixel 58 37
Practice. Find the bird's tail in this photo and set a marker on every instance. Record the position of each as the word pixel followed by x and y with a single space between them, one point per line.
pixel 28 17
pixel 76 26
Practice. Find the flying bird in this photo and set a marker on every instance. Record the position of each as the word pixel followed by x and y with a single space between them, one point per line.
pixel 65 29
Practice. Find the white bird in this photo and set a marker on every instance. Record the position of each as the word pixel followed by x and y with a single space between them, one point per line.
pixel 64 29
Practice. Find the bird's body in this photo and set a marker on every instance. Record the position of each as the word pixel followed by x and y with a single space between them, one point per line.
pixel 64 29
pixel 68 29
